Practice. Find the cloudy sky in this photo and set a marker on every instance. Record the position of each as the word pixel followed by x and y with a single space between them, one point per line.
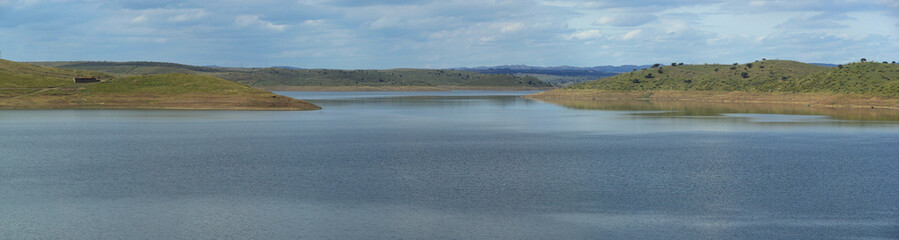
pixel 379 34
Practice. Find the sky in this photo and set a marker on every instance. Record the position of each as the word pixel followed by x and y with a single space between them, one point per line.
pixel 381 34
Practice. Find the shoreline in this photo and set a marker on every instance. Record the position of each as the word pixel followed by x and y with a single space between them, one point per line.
pixel 395 88
pixel 8 108
pixel 252 102
pixel 828 100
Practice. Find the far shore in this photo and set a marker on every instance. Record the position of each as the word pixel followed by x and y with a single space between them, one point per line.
pixel 247 102
pixel 395 88
pixel 807 99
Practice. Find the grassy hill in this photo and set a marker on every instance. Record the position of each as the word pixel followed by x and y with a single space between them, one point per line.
pixel 27 86
pixel 762 76
pixel 861 84
pixel 869 78
pixel 284 78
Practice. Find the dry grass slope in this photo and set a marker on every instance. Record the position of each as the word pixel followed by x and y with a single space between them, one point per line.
pixel 26 86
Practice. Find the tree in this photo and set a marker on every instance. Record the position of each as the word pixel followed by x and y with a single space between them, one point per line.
pixel 681 64
pixel 735 64
pixel 673 64
pixel 763 59
pixel 840 66
pixel 864 60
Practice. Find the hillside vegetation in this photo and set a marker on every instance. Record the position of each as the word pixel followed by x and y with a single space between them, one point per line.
pixel 762 76
pixel 867 78
pixel 281 78
pixel 858 84
pixel 27 86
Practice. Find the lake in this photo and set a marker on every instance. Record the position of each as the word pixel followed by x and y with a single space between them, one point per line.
pixel 446 165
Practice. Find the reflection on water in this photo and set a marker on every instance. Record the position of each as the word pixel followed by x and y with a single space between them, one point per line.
pixel 444 165
pixel 698 109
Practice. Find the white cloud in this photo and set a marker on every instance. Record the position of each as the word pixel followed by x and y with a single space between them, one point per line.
pixel 631 34
pixel 192 15
pixel 820 21
pixel 384 22
pixel 254 21
pixel 511 27
pixel 626 20
pixel 584 35
pixel 139 19
pixel 604 20
pixel 411 33
pixel 757 3
pixel 312 23
pixel 166 14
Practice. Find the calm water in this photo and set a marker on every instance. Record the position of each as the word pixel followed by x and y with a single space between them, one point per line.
pixel 445 165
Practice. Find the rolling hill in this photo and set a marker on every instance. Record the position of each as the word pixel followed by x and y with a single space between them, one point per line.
pixel 28 86
pixel 857 84
pixel 280 78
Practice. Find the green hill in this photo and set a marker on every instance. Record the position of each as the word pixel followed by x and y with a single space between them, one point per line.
pixel 869 78
pixel 857 84
pixel 284 78
pixel 762 76
pixel 27 86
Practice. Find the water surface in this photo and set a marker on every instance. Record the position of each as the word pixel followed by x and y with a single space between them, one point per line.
pixel 444 165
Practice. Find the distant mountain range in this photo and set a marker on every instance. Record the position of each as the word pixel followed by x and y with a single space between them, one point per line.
pixel 824 64
pixel 536 69
pixel 560 75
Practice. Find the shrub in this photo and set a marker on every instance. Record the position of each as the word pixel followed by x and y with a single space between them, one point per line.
pixel 656 65
pixel 864 60
pixel 749 65
pixel 688 81
pixel 648 76
pixel 840 66
pixel 673 64
pixel 635 81
pixel 744 74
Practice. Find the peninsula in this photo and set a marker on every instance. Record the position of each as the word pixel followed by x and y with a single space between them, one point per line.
pixel 860 84
pixel 28 86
